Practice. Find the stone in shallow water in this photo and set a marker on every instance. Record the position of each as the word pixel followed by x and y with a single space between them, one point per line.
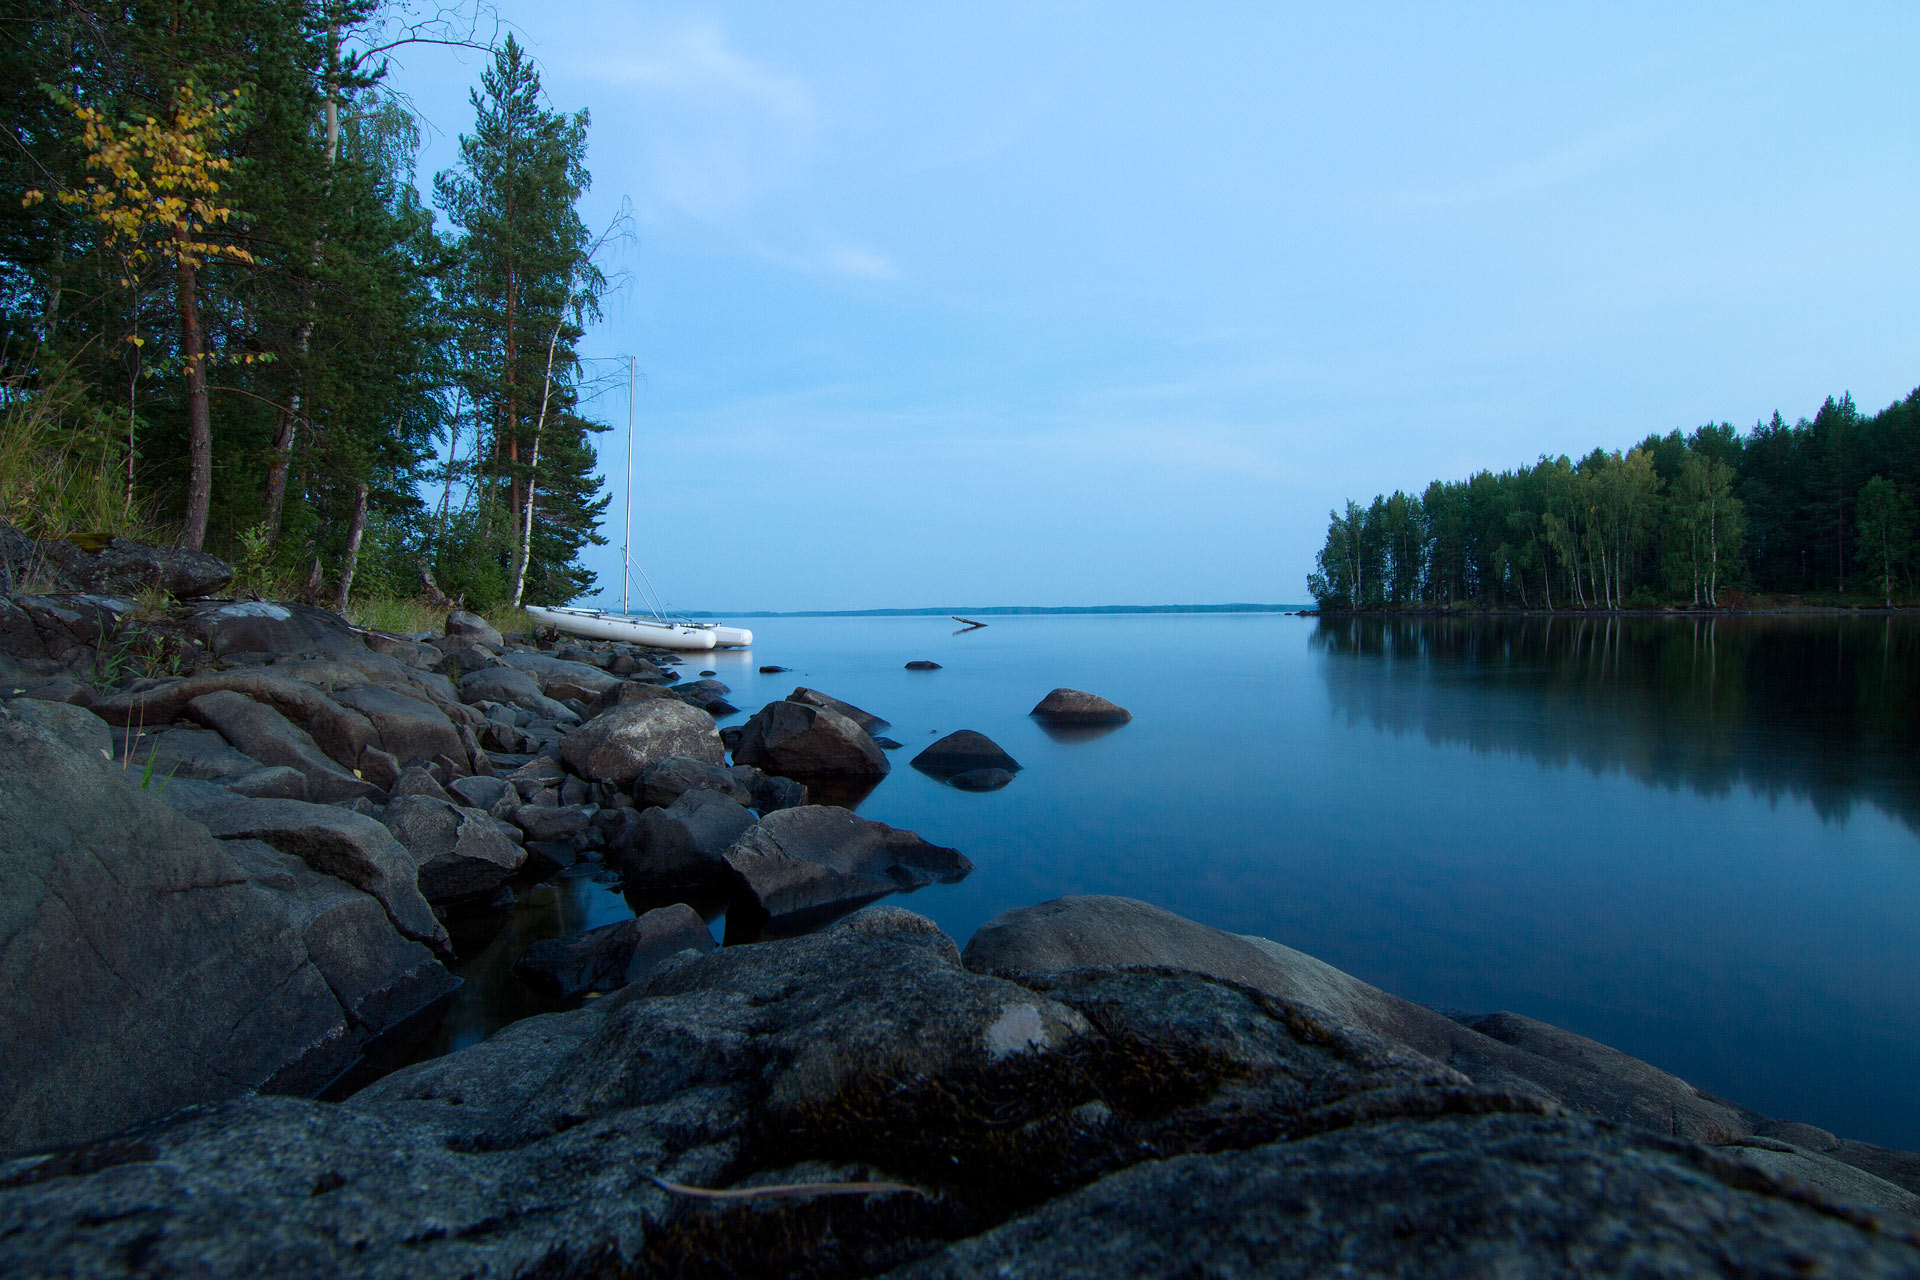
pixel 961 752
pixel 1073 708
pixel 818 860
pixel 610 957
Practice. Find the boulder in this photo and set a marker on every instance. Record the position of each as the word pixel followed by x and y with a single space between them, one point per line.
pixel 923 664
pixel 338 731
pixel 810 863
pixel 409 727
pixel 770 791
pixel 708 695
pixel 266 782
pixel 683 844
pixel 479 792
pixel 121 566
pixel 962 752
pixel 269 737
pixel 560 679
pixel 665 781
pixel 1072 933
pixel 624 692
pixel 551 822
pixel 617 746
pixel 1072 708
pixel 814 698
pixel 1100 1123
pixel 472 628
pixel 260 626
pixel 516 688
pixel 610 957
pixel 459 852
pixel 795 740
pixel 334 841
pixel 145 966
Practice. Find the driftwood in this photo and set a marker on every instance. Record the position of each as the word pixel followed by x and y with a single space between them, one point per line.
pixel 971 624
pixel 430 591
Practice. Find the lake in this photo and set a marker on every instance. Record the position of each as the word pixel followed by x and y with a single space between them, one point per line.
pixel 1692 839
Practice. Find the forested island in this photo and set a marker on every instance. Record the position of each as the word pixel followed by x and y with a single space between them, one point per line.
pixel 1820 511
pixel 229 320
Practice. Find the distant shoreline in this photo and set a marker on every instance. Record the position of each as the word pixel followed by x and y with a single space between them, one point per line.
pixel 999 610
pixel 1751 611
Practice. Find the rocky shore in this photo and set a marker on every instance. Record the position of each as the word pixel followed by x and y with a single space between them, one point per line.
pixel 237 831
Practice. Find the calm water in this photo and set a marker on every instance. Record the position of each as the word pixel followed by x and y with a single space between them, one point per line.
pixel 1693 840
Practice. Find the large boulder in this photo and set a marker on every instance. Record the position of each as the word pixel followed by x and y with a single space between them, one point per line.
pixel 1071 708
pixel 459 852
pixel 626 691
pixel 816 861
pixel 963 752
pixel 337 842
pixel 618 746
pixel 471 628
pixel 409 727
pixel 146 966
pixel 667 780
pixel 614 955
pixel 1105 1122
pixel 814 698
pixel 1504 1051
pixel 795 740
pixel 515 688
pixel 559 678
pixel 683 844
pixel 269 737
pixel 261 626
pixel 121 566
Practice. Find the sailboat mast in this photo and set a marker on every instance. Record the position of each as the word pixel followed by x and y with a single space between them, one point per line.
pixel 626 539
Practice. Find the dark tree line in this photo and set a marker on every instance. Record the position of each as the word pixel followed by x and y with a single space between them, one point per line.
pixel 227 314
pixel 1823 508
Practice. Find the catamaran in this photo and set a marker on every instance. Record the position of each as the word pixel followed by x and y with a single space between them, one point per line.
pixel 659 631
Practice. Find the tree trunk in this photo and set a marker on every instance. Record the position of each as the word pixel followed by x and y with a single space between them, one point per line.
pixel 199 418
pixel 277 467
pixel 355 531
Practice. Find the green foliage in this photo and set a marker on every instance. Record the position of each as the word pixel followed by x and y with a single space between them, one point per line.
pixel 1677 520
pixel 63 460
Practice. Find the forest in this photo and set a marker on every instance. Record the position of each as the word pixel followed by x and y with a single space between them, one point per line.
pixel 228 318
pixel 1820 511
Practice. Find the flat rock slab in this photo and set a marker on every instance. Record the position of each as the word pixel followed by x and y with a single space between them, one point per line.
pixel 337 842
pixel 1073 708
pixel 261 626
pixel 963 752
pixel 146 966
pixel 408 726
pixel 614 955
pixel 817 860
pixel 259 731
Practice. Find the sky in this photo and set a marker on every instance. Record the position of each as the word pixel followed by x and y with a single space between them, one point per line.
pixel 1077 304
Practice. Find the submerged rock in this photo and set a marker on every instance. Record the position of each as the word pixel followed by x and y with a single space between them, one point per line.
pixel 614 955
pixel 819 860
pixel 962 752
pixel 1072 708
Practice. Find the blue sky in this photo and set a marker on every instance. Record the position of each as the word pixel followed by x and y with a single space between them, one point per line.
pixel 1082 304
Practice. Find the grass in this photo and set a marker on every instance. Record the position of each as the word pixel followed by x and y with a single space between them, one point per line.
pixel 404 614
pixel 63 464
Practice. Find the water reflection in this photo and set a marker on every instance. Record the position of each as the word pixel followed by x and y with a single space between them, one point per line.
pixel 1821 708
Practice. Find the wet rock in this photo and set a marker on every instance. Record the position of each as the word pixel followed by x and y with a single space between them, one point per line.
pixel 617 746
pixel 614 955
pixel 770 791
pixel 1071 707
pixel 263 733
pixel 886 744
pixel 459 852
pixel 667 780
pixel 923 664
pixel 145 966
pixel 814 698
pixel 683 844
pixel 818 860
pixel 799 741
pixel 962 752
pixel 472 628
pixel 980 779
pixel 337 842
pixel 708 695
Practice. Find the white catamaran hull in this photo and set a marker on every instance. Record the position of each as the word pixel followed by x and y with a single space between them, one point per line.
pixel 596 625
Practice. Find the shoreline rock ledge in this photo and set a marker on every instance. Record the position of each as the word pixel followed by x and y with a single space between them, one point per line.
pixel 1094 1088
